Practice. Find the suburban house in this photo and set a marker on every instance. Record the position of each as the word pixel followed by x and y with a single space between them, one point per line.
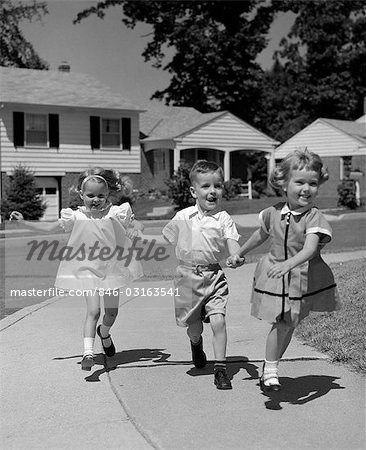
pixel 342 146
pixel 58 124
pixel 171 134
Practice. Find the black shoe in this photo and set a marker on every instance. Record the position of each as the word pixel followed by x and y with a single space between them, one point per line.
pixel 198 355
pixel 268 388
pixel 222 380
pixel 109 351
pixel 87 362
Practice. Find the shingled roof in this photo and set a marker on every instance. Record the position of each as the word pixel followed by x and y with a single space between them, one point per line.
pixel 172 121
pixel 50 87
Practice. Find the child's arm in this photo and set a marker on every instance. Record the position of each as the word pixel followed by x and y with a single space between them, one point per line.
pixel 34 225
pixel 307 252
pixel 255 240
pixel 234 259
pixel 135 229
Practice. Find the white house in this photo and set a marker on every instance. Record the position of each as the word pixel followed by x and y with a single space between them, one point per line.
pixel 342 146
pixel 58 124
pixel 170 134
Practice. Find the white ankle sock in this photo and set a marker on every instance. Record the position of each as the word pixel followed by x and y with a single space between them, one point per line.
pixel 88 346
pixel 270 373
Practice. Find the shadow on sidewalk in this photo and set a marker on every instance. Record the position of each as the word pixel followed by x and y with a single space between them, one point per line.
pixel 233 367
pixel 120 358
pixel 301 390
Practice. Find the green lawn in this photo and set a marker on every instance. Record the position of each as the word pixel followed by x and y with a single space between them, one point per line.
pixel 341 334
pixel 236 206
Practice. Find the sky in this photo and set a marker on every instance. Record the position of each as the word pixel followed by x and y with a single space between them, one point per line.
pixel 108 50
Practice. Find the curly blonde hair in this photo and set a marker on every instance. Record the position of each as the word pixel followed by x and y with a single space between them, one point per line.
pixel 297 160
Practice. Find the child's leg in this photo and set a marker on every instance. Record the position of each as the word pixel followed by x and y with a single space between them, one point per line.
pixel 91 319
pixel 194 331
pixel 218 326
pixel 111 302
pixel 92 315
pixel 277 342
pixel 286 340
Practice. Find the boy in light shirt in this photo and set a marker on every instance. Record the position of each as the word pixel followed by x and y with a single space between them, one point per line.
pixel 203 236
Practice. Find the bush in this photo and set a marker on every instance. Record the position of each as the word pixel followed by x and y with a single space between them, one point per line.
pixel 232 188
pixel 347 194
pixel 21 195
pixel 178 187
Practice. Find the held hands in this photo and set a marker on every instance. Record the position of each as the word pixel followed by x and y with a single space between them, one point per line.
pixel 16 215
pixel 235 261
pixel 279 269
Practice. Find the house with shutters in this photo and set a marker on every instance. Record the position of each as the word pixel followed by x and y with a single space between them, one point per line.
pixel 58 123
pixel 342 146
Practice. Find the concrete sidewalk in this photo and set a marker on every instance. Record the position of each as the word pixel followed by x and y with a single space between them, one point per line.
pixel 150 396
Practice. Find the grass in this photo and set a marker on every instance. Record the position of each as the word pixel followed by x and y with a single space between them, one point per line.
pixel 237 206
pixel 341 334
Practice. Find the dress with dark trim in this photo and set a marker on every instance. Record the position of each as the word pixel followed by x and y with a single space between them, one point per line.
pixel 309 286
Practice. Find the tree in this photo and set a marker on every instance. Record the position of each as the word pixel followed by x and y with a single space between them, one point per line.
pixel 318 72
pixel 322 68
pixel 16 51
pixel 21 195
pixel 215 47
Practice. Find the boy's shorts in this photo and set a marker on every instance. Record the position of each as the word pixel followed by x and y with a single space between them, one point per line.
pixel 199 293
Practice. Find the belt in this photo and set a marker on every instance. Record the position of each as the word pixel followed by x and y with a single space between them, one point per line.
pixel 198 268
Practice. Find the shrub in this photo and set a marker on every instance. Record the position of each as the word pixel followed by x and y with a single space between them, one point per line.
pixel 232 188
pixel 178 187
pixel 21 195
pixel 347 194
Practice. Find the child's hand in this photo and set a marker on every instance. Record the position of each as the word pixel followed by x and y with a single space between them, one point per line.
pixel 279 269
pixel 235 261
pixel 16 215
pixel 132 233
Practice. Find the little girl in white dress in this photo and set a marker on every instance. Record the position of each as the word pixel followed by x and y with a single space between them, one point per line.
pixel 98 263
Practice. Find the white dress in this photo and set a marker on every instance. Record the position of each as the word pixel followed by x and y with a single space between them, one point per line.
pixel 98 253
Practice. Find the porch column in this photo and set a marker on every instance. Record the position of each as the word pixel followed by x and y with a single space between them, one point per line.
pixel 176 158
pixel 271 163
pixel 227 166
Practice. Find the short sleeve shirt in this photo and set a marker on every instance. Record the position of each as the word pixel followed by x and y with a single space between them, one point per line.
pixel 200 238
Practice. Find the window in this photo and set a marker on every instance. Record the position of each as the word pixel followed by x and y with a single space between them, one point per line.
pixel 36 133
pixel 159 161
pixel 35 130
pixel 111 133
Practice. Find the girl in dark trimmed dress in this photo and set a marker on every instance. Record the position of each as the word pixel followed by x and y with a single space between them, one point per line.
pixel 292 279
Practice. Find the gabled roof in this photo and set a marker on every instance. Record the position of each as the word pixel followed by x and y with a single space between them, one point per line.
pixel 50 87
pixel 168 122
pixel 356 130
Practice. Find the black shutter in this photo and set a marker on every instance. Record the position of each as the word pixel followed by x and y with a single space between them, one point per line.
pixel 94 132
pixel 18 129
pixel 53 128
pixel 126 133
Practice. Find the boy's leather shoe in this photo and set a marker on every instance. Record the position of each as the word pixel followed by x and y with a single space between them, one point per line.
pixel 198 355
pixel 222 380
